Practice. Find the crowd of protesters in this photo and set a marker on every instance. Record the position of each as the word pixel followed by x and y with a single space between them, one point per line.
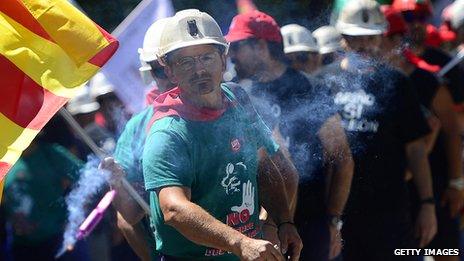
pixel 343 143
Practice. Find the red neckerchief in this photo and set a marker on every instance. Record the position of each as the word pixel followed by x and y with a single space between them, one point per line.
pixel 151 95
pixel 170 104
pixel 419 63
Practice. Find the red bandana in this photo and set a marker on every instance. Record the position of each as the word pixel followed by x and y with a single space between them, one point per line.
pixel 419 63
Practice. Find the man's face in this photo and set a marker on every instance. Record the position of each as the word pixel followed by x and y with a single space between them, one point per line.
pixel 245 58
pixel 365 45
pixel 304 61
pixel 391 46
pixel 416 22
pixel 160 77
pixel 197 70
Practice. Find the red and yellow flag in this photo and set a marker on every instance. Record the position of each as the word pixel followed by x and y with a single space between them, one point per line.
pixel 48 48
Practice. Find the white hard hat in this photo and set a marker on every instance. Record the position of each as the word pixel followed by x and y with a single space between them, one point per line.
pixel 83 102
pixel 328 39
pixel 457 14
pixel 147 53
pixel 361 17
pixel 188 28
pixel 151 41
pixel 298 39
pixel 99 85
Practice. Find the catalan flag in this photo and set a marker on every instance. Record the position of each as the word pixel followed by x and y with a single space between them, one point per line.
pixel 48 48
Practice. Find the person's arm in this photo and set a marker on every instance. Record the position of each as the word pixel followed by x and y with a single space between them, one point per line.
pixel 123 202
pixel 200 227
pixel 426 223
pixel 273 195
pixel 442 105
pixel 136 238
pixel 434 124
pixel 337 156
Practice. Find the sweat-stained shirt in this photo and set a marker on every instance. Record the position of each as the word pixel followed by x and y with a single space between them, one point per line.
pixel 212 152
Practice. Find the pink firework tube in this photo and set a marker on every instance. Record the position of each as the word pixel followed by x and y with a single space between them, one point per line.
pixel 96 215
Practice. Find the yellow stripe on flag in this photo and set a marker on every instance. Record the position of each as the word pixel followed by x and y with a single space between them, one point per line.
pixel 69 28
pixel 14 140
pixel 43 61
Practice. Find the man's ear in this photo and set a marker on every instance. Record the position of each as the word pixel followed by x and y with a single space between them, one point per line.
pixel 170 74
pixel 224 62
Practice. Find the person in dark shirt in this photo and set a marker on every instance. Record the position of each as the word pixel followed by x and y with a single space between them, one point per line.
pixel 445 153
pixel 302 121
pixel 385 126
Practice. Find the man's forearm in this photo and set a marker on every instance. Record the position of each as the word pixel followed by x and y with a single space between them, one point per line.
pixel 420 168
pixel 453 150
pixel 126 205
pixel 136 236
pixel 340 185
pixel 273 193
pixel 200 227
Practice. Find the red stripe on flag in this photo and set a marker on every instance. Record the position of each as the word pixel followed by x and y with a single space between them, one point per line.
pixel 24 101
pixel 4 168
pixel 102 57
pixel 18 12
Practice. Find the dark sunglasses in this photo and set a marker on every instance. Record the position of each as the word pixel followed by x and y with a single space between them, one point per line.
pixel 157 71
pixel 412 16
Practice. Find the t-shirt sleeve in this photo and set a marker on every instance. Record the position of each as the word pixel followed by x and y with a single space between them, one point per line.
pixel 166 161
pixel 412 123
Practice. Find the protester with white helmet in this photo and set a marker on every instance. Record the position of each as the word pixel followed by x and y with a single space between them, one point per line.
pixel 329 42
pixel 385 125
pixel 200 157
pixel 128 154
pixel 301 48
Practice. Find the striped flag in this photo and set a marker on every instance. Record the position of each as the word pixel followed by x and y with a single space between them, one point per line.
pixel 48 48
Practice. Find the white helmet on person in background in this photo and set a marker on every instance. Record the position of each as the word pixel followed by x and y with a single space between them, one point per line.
pixel 150 47
pixel 189 28
pixel 99 85
pixel 298 39
pixel 328 39
pixel 457 14
pixel 361 18
pixel 83 102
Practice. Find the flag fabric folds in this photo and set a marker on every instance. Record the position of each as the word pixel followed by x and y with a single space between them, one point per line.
pixel 48 48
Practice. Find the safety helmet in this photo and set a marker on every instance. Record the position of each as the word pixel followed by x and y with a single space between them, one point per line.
pixel 422 6
pixel 298 39
pixel 83 102
pixel 189 28
pixel 457 14
pixel 147 53
pixel 328 39
pixel 361 17
pixel 99 85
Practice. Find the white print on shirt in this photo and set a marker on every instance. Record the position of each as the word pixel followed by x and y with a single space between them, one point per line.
pixel 354 104
pixel 275 110
pixel 230 182
pixel 248 199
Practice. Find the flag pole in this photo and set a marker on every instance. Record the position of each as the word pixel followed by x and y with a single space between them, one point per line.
pixel 450 65
pixel 101 154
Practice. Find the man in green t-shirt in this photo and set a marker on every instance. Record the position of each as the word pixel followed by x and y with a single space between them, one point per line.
pixel 200 160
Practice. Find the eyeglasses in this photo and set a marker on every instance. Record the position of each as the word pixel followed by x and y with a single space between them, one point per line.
pixel 157 70
pixel 412 16
pixel 188 63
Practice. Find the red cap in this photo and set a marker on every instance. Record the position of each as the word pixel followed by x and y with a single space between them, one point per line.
pixel 254 24
pixel 437 36
pixel 396 23
pixel 413 5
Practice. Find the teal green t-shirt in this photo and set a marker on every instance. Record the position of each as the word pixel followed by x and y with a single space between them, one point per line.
pixel 35 190
pixel 129 149
pixel 217 160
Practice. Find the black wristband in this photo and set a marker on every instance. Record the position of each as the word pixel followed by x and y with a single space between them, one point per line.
pixel 429 200
pixel 286 222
